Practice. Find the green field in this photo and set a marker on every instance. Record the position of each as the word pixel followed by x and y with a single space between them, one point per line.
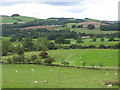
pixel 17 19
pixel 91 56
pixel 60 77
pixel 85 30
pixel 88 42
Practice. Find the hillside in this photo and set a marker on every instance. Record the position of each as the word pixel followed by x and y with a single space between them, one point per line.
pixel 18 19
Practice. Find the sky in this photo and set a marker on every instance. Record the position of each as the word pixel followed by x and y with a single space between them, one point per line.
pixel 95 9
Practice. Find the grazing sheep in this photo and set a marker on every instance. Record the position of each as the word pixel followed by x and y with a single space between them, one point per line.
pixel 16 71
pixel 115 73
pixel 110 86
pixel 51 70
pixel 81 61
pixel 35 81
pixel 95 67
pixel 109 57
pixel 32 69
pixel 45 81
pixel 80 57
pixel 106 74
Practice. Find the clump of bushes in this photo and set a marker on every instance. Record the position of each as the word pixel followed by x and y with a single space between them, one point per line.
pixel 113 82
pixel 42 58
pixel 65 63
pixel 49 61
pixel 43 54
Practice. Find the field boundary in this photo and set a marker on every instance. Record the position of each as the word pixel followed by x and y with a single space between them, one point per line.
pixel 86 67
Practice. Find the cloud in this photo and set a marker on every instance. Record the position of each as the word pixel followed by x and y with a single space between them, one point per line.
pixel 96 9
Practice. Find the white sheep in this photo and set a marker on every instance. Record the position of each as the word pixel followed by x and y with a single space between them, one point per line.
pixel 35 81
pixel 81 61
pixel 106 74
pixel 16 71
pixel 32 69
pixel 110 86
pixel 45 81
pixel 115 73
pixel 109 57
pixel 80 57
pixel 51 70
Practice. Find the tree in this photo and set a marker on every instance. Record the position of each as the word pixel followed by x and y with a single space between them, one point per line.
pixel 33 57
pixel 27 44
pixel 18 59
pixel 6 47
pixel 80 26
pixel 60 40
pixel 49 61
pixel 13 39
pixel 102 39
pixel 79 39
pixel 102 46
pixel 94 39
pixel 42 44
pixel 73 26
pixel 111 38
pixel 20 51
pixel 65 63
pixel 51 45
pixel 14 15
pixel 90 26
pixel 43 54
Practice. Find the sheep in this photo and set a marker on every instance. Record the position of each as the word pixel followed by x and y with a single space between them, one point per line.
pixel 16 70
pixel 110 86
pixel 45 81
pixel 109 57
pixel 115 73
pixel 35 81
pixel 106 74
pixel 80 57
pixel 32 69
pixel 51 70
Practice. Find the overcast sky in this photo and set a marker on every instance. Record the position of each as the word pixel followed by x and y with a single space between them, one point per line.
pixel 95 9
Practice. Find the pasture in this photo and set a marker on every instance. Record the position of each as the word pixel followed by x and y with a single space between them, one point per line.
pixel 73 41
pixel 75 56
pixel 59 77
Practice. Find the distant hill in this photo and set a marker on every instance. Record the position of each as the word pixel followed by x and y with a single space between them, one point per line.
pixel 19 19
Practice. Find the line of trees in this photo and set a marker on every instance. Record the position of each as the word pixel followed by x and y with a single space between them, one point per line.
pixel 41 58
pixel 112 27
pixel 43 44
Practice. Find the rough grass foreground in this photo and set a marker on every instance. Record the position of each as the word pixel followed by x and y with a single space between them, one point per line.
pixel 34 76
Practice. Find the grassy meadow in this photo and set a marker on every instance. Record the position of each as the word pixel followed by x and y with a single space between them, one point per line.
pixel 59 77
pixel 17 19
pixel 75 56
pixel 87 42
